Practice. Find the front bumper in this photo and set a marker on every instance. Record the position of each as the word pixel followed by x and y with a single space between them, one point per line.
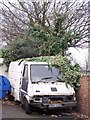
pixel 54 102
pixel 52 106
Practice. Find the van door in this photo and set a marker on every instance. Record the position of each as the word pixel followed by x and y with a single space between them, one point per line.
pixel 24 85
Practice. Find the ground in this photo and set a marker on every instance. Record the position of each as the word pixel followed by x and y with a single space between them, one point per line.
pixel 10 110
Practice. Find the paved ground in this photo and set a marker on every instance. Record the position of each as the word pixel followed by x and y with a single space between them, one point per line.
pixel 0 110
pixel 10 111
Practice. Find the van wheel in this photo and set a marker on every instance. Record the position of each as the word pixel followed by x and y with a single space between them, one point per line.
pixel 27 107
pixel 10 97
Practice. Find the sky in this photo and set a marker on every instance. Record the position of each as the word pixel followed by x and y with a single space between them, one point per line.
pixel 80 55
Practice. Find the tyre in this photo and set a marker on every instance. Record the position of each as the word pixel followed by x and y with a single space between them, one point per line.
pixel 10 97
pixel 27 107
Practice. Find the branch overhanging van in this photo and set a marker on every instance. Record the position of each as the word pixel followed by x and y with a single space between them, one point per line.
pixel 37 84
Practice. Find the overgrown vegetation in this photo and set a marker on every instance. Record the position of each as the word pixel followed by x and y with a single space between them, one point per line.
pixel 71 72
pixel 39 42
pixel 19 49
pixel 52 43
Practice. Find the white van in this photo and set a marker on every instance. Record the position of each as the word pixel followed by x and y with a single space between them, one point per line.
pixel 38 84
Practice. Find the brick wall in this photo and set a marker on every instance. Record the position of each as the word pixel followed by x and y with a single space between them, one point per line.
pixel 84 96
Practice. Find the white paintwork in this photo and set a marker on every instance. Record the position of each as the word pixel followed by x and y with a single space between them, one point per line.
pixel 15 76
pixel 45 89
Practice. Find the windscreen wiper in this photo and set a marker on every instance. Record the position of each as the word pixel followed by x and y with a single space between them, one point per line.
pixel 45 78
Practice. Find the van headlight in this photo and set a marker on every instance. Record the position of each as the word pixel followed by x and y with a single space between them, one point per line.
pixel 37 99
pixel 74 97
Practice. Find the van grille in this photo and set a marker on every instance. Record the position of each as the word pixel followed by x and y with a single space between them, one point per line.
pixel 55 99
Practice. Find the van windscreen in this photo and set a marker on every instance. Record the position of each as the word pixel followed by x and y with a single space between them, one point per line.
pixel 44 73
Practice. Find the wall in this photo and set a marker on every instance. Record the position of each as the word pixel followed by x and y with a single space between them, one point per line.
pixel 84 96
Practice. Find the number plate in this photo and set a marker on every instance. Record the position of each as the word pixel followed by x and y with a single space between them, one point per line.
pixel 55 105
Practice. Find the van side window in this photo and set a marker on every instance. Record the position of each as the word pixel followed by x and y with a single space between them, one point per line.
pixel 25 73
pixel 25 78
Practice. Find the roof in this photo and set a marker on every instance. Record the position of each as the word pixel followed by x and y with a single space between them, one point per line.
pixel 32 63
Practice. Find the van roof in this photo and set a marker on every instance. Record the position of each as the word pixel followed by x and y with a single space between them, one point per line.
pixel 32 63
pixel 29 62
